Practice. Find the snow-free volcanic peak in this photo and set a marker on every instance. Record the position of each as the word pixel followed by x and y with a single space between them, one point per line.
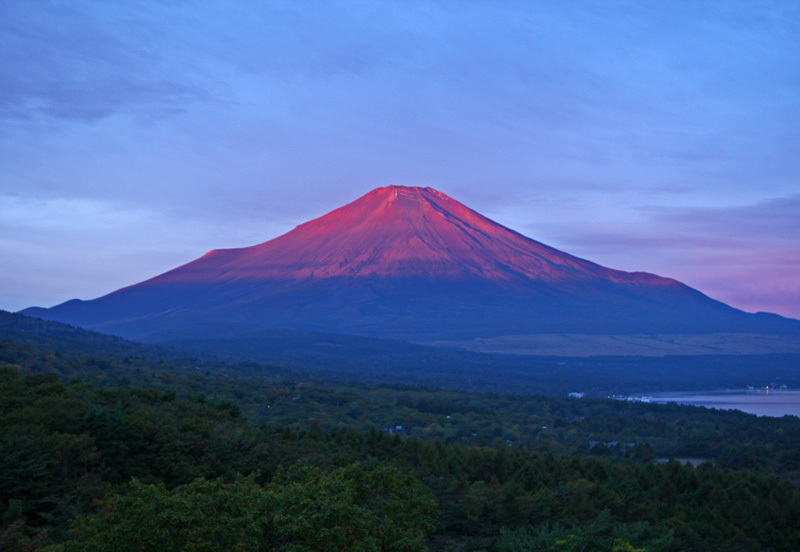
pixel 400 232
pixel 405 263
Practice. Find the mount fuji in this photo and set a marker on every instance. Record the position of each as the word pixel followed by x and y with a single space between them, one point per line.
pixel 411 264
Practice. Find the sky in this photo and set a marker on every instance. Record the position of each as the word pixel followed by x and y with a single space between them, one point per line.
pixel 646 136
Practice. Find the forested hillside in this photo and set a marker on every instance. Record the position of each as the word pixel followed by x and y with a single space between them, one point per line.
pixel 179 472
pixel 263 394
pixel 146 454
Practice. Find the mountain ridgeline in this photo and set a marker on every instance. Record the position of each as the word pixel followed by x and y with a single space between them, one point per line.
pixel 405 263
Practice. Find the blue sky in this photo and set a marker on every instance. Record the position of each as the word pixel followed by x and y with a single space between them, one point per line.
pixel 655 136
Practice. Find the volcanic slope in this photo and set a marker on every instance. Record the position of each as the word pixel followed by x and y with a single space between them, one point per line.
pixel 405 263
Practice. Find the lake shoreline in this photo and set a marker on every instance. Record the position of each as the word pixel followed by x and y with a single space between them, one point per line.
pixel 761 402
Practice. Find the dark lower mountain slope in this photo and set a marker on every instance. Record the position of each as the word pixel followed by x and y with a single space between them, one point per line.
pixel 410 264
pixel 415 310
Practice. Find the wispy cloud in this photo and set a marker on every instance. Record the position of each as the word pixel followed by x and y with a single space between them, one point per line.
pixel 79 62
pixel 773 220
pixel 746 255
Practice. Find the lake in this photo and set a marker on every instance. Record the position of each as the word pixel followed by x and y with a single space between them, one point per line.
pixel 763 403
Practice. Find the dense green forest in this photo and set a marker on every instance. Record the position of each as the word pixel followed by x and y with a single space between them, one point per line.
pixel 82 468
pixel 142 449
pixel 560 425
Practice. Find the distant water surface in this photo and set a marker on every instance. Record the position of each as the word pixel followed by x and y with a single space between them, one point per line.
pixel 763 403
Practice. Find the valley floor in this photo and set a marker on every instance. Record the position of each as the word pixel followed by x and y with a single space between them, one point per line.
pixel 582 345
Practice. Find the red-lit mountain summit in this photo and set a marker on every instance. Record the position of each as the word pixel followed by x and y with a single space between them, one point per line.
pixel 406 263
pixel 399 232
